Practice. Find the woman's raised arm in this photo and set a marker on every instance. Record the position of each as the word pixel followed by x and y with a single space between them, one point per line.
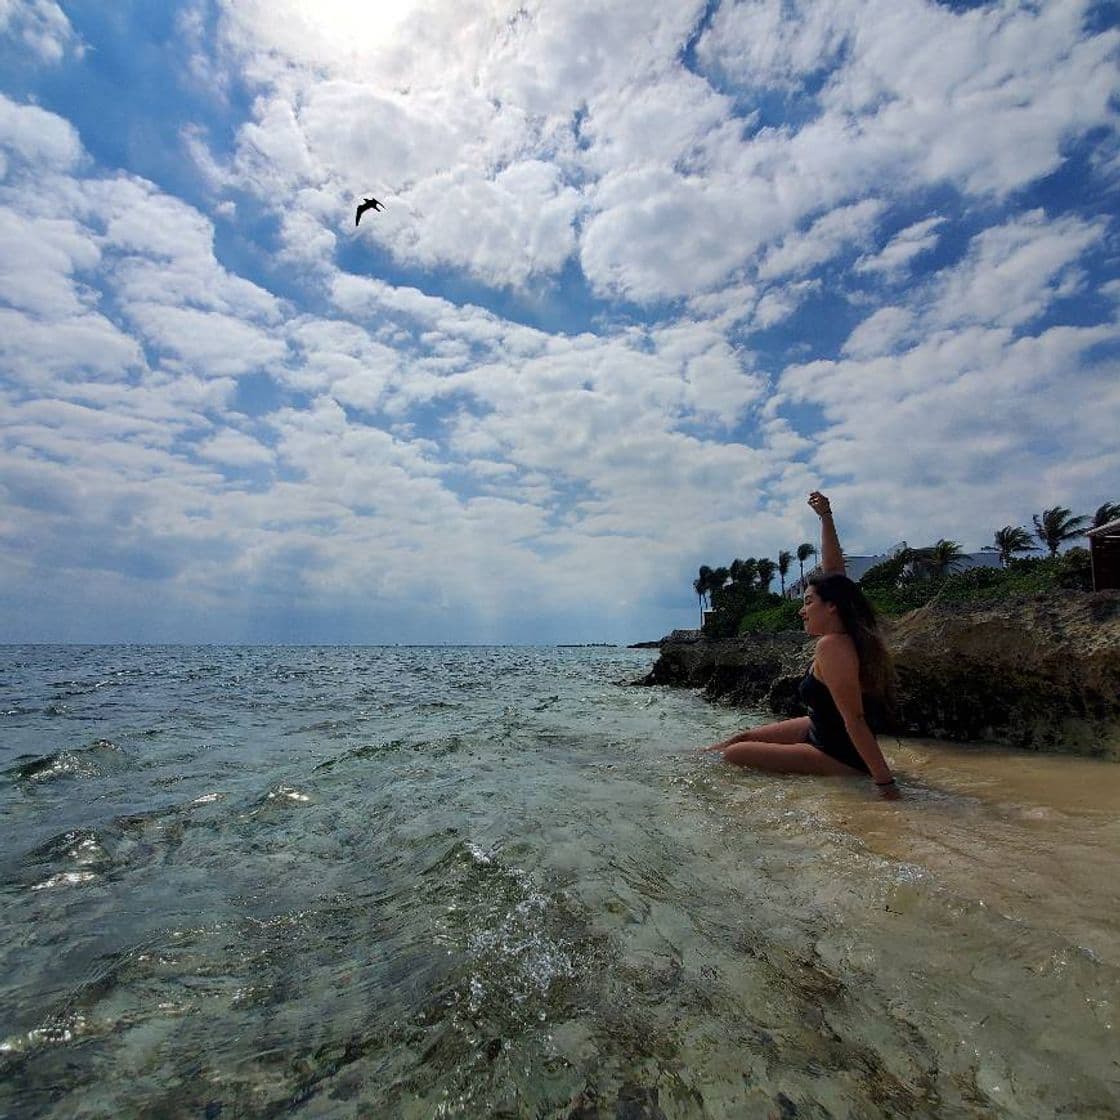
pixel 832 559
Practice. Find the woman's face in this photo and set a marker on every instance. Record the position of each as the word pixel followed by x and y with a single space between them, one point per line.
pixel 818 616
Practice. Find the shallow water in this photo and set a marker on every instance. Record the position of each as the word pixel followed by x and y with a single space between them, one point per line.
pixel 496 882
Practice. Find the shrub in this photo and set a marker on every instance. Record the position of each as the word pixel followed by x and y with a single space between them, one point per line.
pixel 898 600
pixel 770 618
pixel 731 603
pixel 1025 576
pixel 1075 570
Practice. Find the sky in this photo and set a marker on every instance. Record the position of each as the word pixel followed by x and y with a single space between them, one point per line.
pixel 647 274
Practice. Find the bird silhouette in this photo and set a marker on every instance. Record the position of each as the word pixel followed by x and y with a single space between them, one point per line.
pixel 367 204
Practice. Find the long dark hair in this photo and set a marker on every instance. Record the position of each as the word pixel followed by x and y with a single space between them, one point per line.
pixel 857 615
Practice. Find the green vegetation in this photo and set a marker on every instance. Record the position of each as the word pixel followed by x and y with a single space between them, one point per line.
pixel 785 558
pixel 740 601
pixel 1069 571
pixel 1107 512
pixel 893 596
pixel 740 591
pixel 1056 525
pixel 769 618
pixel 804 552
pixel 937 560
pixel 1008 541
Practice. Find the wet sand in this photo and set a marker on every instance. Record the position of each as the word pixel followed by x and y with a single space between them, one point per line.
pixel 1032 835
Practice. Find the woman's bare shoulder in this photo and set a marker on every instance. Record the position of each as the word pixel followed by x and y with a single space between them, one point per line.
pixel 836 649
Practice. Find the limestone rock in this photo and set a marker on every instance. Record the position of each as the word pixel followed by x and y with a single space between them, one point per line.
pixel 737 670
pixel 1041 672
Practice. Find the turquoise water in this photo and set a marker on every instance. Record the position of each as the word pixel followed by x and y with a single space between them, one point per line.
pixel 497 882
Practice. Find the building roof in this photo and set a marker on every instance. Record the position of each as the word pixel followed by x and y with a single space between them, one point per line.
pixel 1112 528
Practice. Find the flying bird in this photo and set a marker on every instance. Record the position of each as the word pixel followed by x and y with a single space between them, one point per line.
pixel 367 204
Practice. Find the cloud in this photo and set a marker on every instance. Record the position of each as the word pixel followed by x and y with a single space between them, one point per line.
pixel 503 230
pixel 41 26
pixel 320 34
pixel 512 140
pixel 668 122
pixel 32 135
pixel 799 253
pixel 954 423
pixel 656 235
pixel 772 44
pixel 900 251
pixel 1013 272
pixel 38 260
pixel 779 303
pixel 985 99
pixel 555 60
pixel 235 449
pixel 39 353
pixel 880 333
pixel 205 342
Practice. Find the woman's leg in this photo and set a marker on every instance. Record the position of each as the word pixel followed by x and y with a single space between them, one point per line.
pixel 785 731
pixel 788 758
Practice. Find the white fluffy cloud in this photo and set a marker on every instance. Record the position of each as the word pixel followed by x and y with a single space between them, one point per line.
pixel 30 134
pixel 38 260
pixel 825 238
pixel 513 138
pixel 1014 271
pixel 984 98
pixel 339 497
pixel 504 228
pixel 901 250
pixel 40 26
pixel 1011 274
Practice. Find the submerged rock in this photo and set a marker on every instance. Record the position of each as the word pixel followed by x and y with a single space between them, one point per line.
pixel 1040 672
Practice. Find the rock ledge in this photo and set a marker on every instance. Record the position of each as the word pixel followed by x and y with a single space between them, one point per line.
pixel 1038 672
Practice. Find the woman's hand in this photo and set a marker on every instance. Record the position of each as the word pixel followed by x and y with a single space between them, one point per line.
pixel 819 504
pixel 889 790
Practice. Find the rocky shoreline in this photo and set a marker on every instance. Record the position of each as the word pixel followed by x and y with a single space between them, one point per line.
pixel 1039 672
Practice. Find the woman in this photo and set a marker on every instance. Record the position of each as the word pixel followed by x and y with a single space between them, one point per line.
pixel 850 661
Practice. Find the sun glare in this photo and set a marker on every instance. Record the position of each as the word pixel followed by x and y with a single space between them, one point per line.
pixel 346 26
pixel 323 33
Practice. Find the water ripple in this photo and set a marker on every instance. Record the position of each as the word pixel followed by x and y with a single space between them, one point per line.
pixel 497 882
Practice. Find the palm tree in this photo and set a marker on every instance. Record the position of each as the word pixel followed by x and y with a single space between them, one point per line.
pixel 766 570
pixel 1110 511
pixel 945 556
pixel 702 585
pixel 743 571
pixel 716 583
pixel 1009 540
pixel 1057 524
pixel 784 560
pixel 804 551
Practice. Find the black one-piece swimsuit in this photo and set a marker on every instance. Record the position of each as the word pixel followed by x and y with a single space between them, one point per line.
pixel 826 725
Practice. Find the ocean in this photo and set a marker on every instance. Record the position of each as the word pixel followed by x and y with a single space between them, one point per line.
pixel 500 882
